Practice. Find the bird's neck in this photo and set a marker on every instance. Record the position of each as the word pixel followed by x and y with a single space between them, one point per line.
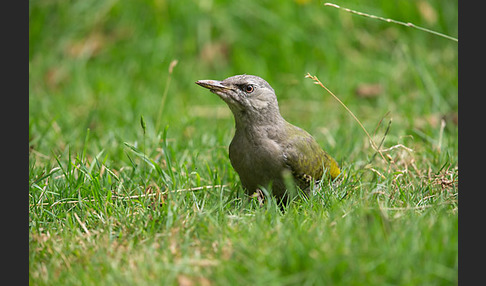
pixel 253 124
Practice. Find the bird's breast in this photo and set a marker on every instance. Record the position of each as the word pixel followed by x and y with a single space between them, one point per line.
pixel 257 160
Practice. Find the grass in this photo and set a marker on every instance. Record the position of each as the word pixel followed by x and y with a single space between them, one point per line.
pixel 111 202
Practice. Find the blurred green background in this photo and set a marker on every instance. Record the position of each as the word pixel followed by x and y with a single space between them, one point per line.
pixel 97 67
pixel 103 64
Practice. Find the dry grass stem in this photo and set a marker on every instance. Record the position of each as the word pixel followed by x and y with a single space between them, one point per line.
pixel 397 146
pixel 441 133
pixel 373 144
pixel 408 24
pixel 132 197
pixel 172 65
pixel 82 224
pixel 414 208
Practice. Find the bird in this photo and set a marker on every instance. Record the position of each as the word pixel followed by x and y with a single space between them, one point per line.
pixel 266 149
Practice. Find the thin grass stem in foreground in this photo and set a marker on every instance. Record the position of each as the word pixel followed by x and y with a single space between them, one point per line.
pixel 373 144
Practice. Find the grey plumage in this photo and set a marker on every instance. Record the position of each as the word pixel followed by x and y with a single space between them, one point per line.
pixel 265 145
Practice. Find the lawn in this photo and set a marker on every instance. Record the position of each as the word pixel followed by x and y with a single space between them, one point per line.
pixel 129 177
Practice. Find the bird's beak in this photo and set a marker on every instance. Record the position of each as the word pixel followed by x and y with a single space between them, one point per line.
pixel 213 85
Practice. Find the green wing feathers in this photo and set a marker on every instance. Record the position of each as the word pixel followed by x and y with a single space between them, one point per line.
pixel 306 159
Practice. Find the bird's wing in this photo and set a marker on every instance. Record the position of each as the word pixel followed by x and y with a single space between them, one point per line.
pixel 306 159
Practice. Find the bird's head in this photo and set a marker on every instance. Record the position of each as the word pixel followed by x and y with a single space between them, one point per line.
pixel 248 96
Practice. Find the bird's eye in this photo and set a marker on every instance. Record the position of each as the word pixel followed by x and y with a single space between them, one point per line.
pixel 249 88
